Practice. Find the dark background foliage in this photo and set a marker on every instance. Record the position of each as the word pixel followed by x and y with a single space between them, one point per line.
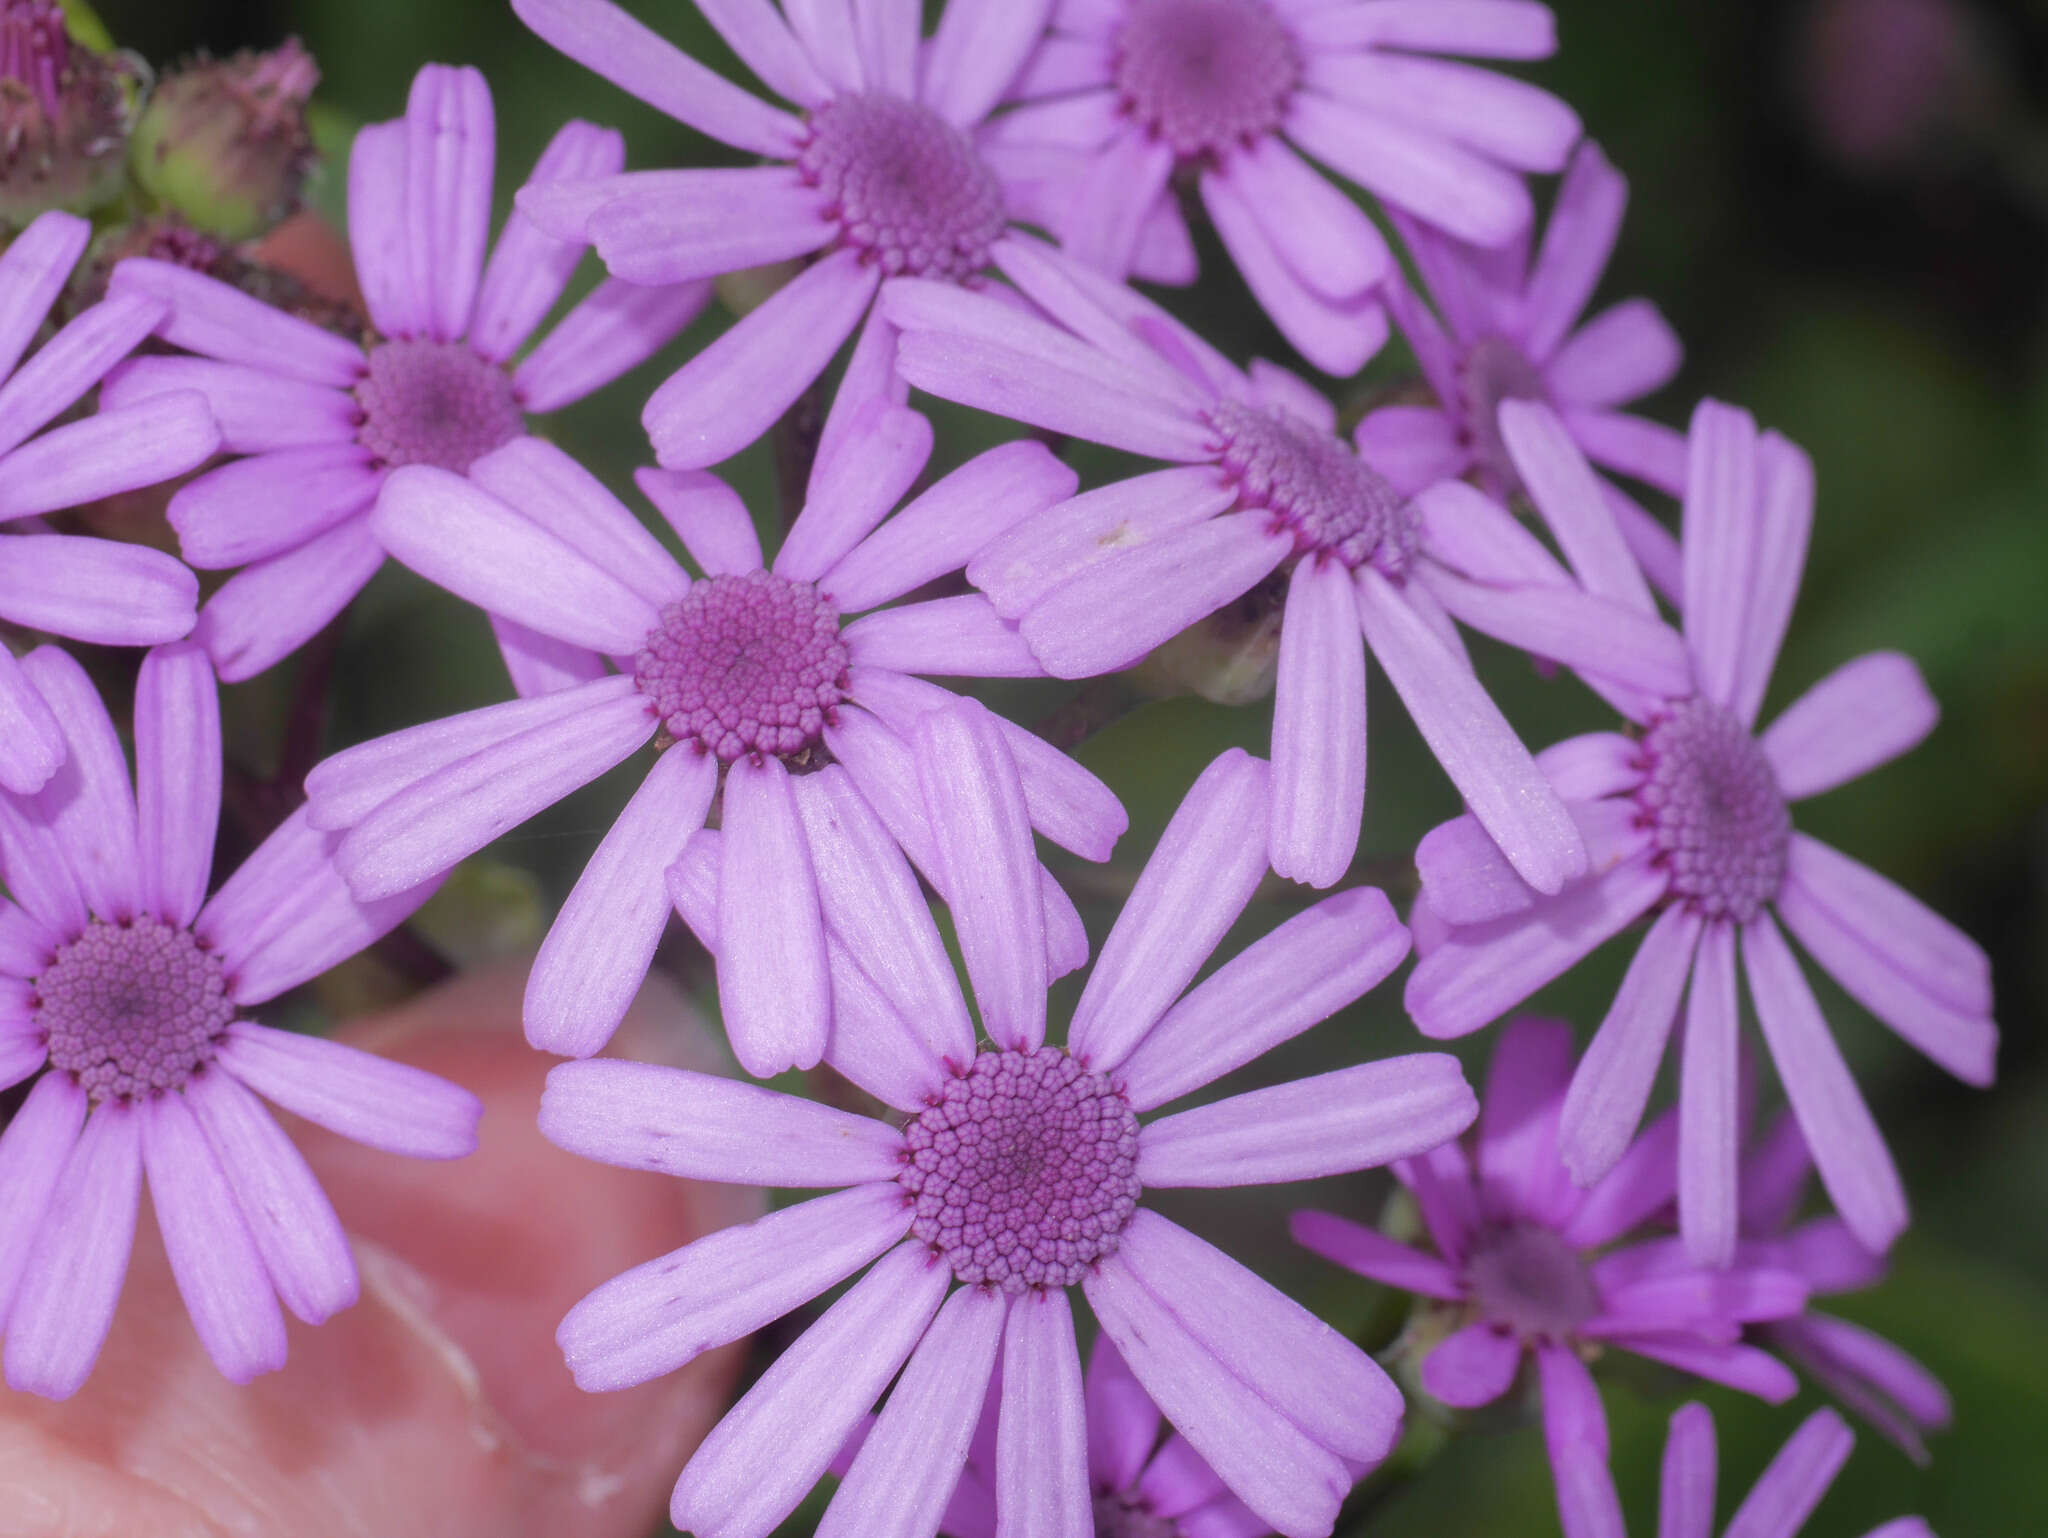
pixel 1872 288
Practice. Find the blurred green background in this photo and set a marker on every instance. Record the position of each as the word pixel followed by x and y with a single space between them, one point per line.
pixel 1844 211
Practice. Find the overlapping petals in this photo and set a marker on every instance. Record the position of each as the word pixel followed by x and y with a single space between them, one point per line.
pixel 289 508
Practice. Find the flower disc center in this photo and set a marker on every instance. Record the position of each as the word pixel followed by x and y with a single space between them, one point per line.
pixel 1527 1277
pixel 745 663
pixel 132 1009
pixel 905 185
pixel 1715 810
pixel 434 403
pixel 1024 1172
pixel 1332 501
pixel 1495 370
pixel 1205 76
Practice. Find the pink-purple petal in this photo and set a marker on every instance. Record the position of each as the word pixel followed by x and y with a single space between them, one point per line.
pixel 1474 1366
pixel 1350 1119
pixel 1611 1086
pixel 1267 1461
pixel 1472 740
pixel 31 741
pixel 1413 169
pixel 906 1469
pixel 1046 1425
pixel 103 590
pixel 732 391
pixel 267 611
pixel 250 509
pixel 1575 1435
pixel 34 1149
pixel 60 1316
pixel 426 828
pixel 1123 1422
pixel 113 451
pixel 708 517
pixel 1192 889
pixel 1301 973
pixel 88 805
pixel 1785 1495
pixel 218 321
pixel 1299 1364
pixel 304 1251
pixel 1721 536
pixel 177 779
pixel 258 409
pixel 1709 1115
pixel 1373 1255
pixel 982 839
pixel 529 269
pixel 602 37
pixel 1865 713
pixel 774 988
pixel 647 1322
pixel 597 951
pixel 363 1097
pixel 1848 1150
pixel 1318 728
pixel 868 472
pixel 33 272
pixel 213 1258
pixel 771 1447
pixel 616 327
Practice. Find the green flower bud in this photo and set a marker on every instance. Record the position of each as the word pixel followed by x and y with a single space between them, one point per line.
pixel 224 144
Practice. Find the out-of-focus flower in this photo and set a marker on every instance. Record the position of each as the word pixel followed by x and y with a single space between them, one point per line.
pixel 1504 328
pixel 1782 1498
pixel 322 420
pixel 1863 1370
pixel 1882 83
pixel 223 142
pixel 1527 1259
pixel 1017 1172
pixel 802 721
pixel 1687 817
pixel 1124 94
pixel 65 115
pixel 129 991
pixel 880 174
pixel 1264 487
pixel 69 585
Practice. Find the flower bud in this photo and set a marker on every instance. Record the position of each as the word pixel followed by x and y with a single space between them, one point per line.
pixel 65 115
pixel 223 142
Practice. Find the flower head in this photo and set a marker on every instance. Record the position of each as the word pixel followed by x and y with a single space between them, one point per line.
pixel 1784 1495
pixel 1017 1168
pixel 133 994
pixel 1687 819
pixel 1125 100
pixel 1538 1269
pixel 769 684
pixel 319 421
pixel 68 585
pixel 880 170
pixel 1504 327
pixel 1264 491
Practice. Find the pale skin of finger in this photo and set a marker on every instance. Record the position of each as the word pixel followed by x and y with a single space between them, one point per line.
pixel 437 1407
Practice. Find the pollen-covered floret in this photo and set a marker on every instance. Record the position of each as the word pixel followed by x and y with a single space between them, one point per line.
pixel 1332 501
pixel 1024 1172
pixel 435 403
pixel 1715 810
pixel 905 186
pixel 745 663
pixel 131 1009
pixel 1204 75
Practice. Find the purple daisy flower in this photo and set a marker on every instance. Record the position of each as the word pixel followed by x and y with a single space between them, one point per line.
pixel 1879 1381
pixel 1777 1505
pixel 1509 330
pixel 878 172
pixel 1140 1487
pixel 1125 94
pixel 755 679
pixel 322 421
pixel 1016 1168
pixel 126 991
pixel 1265 491
pixel 1687 816
pixel 88 589
pixel 1531 1261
